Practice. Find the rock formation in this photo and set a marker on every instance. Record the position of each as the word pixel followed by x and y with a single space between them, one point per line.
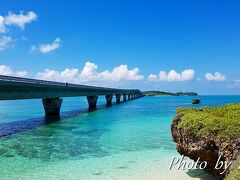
pixel 206 147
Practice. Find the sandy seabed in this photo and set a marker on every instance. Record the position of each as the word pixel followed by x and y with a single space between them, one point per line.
pixel 139 165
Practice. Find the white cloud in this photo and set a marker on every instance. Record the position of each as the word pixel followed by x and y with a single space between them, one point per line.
pixel 217 76
pixel 2 25
pixel 21 73
pixel 89 73
pixel 4 42
pixel 7 71
pixel 68 75
pixel 172 75
pixel 152 77
pixel 121 73
pixel 20 19
pixel 46 48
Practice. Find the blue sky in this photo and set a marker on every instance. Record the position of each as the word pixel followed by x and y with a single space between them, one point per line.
pixel 54 40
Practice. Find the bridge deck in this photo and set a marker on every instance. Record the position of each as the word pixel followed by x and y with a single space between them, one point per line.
pixel 12 88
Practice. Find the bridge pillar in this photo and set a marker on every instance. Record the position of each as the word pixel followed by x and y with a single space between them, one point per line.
pixel 124 97
pixel 129 96
pixel 52 106
pixel 109 99
pixel 118 98
pixel 92 101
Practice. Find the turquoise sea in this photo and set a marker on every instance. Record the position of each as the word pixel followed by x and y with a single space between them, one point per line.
pixel 131 140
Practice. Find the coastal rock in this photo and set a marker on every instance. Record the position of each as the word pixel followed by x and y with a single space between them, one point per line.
pixel 196 101
pixel 207 148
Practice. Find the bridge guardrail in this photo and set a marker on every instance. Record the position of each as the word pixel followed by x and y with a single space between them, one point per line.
pixel 28 80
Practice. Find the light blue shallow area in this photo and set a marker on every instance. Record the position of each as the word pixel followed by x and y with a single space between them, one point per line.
pixel 131 140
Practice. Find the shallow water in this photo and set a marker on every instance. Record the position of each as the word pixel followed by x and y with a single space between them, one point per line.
pixel 131 140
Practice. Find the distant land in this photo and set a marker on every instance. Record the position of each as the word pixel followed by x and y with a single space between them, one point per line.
pixel 162 93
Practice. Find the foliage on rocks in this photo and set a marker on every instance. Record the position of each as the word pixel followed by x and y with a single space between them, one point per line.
pixel 222 122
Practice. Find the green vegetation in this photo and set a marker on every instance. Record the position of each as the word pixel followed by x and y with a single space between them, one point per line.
pixel 162 93
pixel 220 122
pixel 234 171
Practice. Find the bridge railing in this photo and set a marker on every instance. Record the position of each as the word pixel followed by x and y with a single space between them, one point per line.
pixel 28 80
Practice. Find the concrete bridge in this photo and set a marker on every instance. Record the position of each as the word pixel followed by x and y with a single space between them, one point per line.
pixel 13 88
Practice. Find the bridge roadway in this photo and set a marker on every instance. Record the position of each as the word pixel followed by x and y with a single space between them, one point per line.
pixel 13 88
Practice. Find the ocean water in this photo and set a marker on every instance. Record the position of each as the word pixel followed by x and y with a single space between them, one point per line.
pixel 131 140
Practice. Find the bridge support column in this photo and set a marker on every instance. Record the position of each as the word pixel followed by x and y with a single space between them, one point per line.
pixel 124 97
pixel 52 106
pixel 118 98
pixel 129 96
pixel 109 99
pixel 92 101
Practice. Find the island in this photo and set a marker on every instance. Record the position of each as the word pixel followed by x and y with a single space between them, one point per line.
pixel 162 93
pixel 210 133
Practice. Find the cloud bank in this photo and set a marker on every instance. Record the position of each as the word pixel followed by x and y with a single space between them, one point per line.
pixel 89 73
pixel 7 71
pixel 217 76
pixel 172 76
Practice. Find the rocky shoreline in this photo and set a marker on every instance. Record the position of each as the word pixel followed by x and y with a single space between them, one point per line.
pixel 206 147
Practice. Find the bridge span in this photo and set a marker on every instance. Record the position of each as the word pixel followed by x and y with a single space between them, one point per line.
pixel 51 93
